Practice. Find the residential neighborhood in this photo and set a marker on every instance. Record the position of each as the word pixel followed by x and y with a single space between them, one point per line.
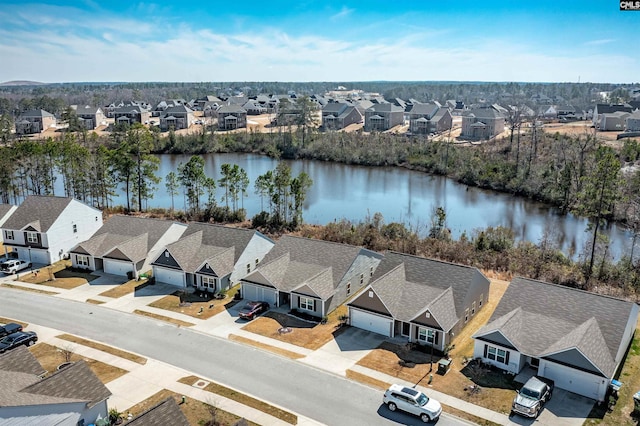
pixel 424 308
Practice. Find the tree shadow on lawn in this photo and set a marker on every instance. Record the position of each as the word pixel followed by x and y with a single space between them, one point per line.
pixel 486 375
pixel 66 273
pixel 290 321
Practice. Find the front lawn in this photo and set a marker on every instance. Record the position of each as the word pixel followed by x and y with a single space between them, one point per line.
pixel 124 289
pixel 196 306
pixel 50 357
pixel 58 275
pixel 307 334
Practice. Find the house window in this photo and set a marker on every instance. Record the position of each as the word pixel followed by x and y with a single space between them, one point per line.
pixel 8 235
pixel 306 303
pixel 496 354
pixel 370 293
pixel 426 335
pixel 32 237
pixel 82 260
pixel 248 268
pixel 371 271
pixel 209 282
pixel 480 301
pixel 257 261
pixel 361 279
pixel 75 228
pixel 466 315
pixel 473 308
pixel 349 288
pixel 166 253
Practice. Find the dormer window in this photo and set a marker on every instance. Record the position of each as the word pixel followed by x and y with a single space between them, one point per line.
pixel 8 235
pixel 75 228
pixel 32 237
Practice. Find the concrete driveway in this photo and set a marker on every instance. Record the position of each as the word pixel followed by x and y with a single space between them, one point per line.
pixel 344 351
pixel 564 409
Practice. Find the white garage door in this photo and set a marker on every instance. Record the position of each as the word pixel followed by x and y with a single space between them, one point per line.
pixel 117 268
pixel 371 322
pixel 256 292
pixel 576 381
pixel 169 276
pixel 34 256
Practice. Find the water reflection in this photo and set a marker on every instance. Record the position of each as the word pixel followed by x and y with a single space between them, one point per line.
pixel 354 192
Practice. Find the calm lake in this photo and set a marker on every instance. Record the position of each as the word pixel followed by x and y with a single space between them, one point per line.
pixel 354 192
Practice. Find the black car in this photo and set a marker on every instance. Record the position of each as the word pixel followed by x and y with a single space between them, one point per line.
pixel 10 328
pixel 14 340
pixel 253 309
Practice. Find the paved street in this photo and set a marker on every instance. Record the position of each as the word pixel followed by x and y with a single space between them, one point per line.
pixel 301 388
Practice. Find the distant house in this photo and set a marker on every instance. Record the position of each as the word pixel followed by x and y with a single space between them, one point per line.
pixel 614 121
pixel 608 109
pixel 44 228
pixel 211 257
pixel 131 114
pixel 176 117
pixel 231 117
pixel 312 276
pixel 423 300
pixel 34 121
pixel 126 245
pixel 482 123
pixel 71 396
pixel 632 123
pixel 253 107
pixel 338 115
pixel 90 117
pixel 208 102
pixel 547 111
pixel 383 116
pixel 576 338
pixel 429 118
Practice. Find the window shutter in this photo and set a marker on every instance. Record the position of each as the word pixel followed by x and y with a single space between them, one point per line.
pixel 506 358
pixel 314 304
pixel 435 337
pixel 486 348
pixel 298 301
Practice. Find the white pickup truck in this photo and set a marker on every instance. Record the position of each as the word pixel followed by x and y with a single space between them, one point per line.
pixel 12 266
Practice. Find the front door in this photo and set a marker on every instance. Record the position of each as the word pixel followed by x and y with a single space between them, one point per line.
pixel 535 363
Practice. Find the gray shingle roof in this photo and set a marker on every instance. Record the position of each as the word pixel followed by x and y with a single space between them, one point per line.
pixel 424 109
pixel 134 236
pixel 542 318
pixel 75 382
pixel 4 209
pixel 223 236
pixel 39 211
pixel 385 108
pixel 21 360
pixel 163 414
pixel 227 109
pixel 177 109
pixel 35 113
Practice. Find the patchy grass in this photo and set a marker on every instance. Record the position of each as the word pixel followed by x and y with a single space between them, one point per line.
pixel 303 333
pixel 123 289
pixel 623 412
pixel 4 320
pixel 367 380
pixel 104 348
pixel 94 301
pixel 32 290
pixel 196 306
pixel 196 412
pixel 244 399
pixel 57 275
pixel 497 388
pixel 50 357
pixel 177 322
pixel 274 349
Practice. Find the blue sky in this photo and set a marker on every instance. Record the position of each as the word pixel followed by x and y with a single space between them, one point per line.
pixel 548 41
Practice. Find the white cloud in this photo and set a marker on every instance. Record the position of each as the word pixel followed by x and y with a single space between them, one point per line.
pixel 344 12
pixel 130 50
pixel 599 42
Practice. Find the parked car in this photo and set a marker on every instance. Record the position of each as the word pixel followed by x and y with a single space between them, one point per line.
pixel 252 309
pixel 13 266
pixel 412 401
pixel 10 328
pixel 14 340
pixel 532 397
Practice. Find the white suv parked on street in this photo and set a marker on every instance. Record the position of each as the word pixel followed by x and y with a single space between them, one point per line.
pixel 13 266
pixel 399 397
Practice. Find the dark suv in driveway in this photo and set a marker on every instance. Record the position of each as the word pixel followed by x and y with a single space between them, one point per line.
pixel 14 340
pixel 10 328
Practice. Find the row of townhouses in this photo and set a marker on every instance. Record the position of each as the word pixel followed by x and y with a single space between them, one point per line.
pixel 577 338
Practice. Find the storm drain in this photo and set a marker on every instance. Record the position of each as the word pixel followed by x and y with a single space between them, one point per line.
pixel 200 384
